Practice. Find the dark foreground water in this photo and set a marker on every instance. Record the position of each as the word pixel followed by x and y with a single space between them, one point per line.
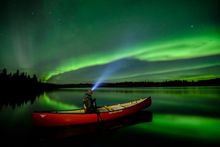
pixel 178 116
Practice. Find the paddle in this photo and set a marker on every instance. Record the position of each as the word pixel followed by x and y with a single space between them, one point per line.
pixel 99 118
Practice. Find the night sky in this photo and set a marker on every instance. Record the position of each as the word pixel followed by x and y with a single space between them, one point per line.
pixel 67 41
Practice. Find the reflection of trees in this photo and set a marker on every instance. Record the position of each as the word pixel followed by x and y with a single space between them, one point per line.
pixel 19 88
pixel 16 98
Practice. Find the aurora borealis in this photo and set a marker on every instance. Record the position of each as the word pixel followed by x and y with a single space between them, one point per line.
pixel 67 41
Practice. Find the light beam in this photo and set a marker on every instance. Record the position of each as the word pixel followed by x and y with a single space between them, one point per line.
pixel 109 70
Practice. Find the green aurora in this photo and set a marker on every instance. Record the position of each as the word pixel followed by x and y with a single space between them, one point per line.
pixel 191 47
pixel 64 40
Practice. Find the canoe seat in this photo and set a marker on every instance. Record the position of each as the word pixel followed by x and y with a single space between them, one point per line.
pixel 116 107
pixel 108 108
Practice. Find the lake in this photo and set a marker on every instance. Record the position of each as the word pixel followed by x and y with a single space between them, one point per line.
pixel 178 116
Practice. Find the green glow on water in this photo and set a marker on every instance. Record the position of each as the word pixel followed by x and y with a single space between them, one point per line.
pixel 56 105
pixel 191 127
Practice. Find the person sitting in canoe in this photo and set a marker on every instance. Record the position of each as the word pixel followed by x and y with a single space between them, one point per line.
pixel 89 103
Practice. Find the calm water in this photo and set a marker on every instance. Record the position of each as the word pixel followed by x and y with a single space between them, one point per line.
pixel 180 116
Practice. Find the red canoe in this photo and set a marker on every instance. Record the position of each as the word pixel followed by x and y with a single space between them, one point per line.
pixel 77 117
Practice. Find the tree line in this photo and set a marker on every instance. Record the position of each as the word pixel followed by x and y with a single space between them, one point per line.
pixel 20 87
pixel 210 82
pixel 12 80
pixel 22 81
pixel 171 83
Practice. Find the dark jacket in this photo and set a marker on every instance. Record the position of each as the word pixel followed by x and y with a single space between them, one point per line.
pixel 89 103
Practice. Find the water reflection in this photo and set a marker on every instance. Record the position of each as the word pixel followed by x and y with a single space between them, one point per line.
pixel 16 98
pixel 181 115
pixel 191 128
pixel 55 104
